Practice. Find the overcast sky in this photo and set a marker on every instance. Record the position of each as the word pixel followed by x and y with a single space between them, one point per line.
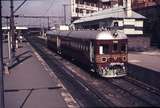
pixel 36 8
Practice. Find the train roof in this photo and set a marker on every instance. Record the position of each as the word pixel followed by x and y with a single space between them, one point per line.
pixel 90 34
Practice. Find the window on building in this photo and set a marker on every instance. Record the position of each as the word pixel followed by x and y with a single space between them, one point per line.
pixel 92 11
pixel 97 5
pixel 115 24
pixel 92 4
pixel 81 10
pixel 77 1
pixel 87 11
pixel 81 1
pixel 87 3
pixel 77 10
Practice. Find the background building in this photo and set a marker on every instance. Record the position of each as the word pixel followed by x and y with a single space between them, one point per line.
pixel 118 18
pixel 149 27
pixel 80 8
pixel 50 13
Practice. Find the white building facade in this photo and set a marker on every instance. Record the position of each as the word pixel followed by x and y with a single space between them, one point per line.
pixel 80 8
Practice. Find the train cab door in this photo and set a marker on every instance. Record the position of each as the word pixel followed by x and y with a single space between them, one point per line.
pixel 91 52
pixel 92 56
pixel 58 45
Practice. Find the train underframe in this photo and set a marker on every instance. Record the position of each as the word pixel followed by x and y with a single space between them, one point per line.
pixel 112 70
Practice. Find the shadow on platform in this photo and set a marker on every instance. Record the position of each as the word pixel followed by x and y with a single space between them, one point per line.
pixel 21 58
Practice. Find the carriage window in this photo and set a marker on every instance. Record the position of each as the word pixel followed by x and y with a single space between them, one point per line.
pixel 103 49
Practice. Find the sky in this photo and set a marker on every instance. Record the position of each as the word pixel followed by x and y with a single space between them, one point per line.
pixel 36 8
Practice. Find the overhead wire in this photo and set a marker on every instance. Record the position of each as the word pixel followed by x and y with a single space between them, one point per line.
pixel 20 6
pixel 47 10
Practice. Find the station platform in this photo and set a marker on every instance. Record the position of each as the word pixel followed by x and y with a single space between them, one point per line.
pixel 145 66
pixel 30 83
pixel 148 59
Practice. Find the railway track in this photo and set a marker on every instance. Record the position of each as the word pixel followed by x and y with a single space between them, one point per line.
pixel 91 91
pixel 144 94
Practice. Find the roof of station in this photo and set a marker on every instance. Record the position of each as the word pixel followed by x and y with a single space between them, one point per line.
pixel 18 28
pixel 115 12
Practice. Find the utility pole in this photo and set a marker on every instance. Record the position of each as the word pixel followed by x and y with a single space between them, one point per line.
pixel 48 23
pixel 12 34
pixel 9 40
pixel 64 13
pixel 1 61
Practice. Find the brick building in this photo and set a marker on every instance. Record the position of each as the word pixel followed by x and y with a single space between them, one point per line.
pixel 138 4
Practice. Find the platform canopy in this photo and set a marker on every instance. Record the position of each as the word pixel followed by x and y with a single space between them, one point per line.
pixel 114 13
pixel 18 28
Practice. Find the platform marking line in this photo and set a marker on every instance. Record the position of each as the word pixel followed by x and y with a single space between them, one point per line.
pixel 156 53
pixel 134 61
pixel 69 100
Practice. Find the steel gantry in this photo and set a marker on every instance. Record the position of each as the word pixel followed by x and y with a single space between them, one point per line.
pixel 1 62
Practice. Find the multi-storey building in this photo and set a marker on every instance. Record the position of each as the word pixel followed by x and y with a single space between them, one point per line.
pixel 81 8
pixel 150 9
pixel 138 4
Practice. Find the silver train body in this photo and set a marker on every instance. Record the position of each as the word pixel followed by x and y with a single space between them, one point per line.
pixel 104 52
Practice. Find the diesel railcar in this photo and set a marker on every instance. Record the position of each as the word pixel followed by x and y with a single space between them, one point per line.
pixel 104 52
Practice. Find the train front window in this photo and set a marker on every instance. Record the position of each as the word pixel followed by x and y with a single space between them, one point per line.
pixel 115 47
pixel 123 47
pixel 103 49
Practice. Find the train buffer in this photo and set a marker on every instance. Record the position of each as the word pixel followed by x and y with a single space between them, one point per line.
pixel 31 83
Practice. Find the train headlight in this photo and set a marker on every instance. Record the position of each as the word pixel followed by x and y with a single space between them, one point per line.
pixel 124 68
